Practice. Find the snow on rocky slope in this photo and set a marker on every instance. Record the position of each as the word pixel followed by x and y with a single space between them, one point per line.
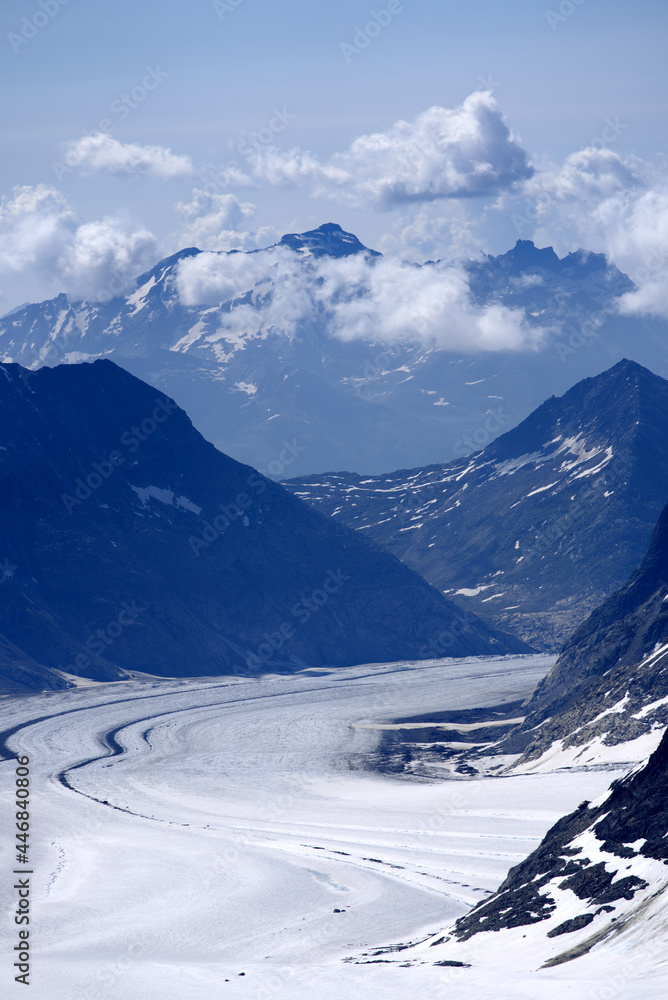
pixel 609 687
pixel 535 530
pixel 595 886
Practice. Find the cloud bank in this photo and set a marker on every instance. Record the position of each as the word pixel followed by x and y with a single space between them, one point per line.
pixel 358 297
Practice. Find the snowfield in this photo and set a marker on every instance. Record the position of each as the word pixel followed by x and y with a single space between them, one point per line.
pixel 223 838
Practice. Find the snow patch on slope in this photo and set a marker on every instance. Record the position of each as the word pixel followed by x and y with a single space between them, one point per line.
pixel 164 496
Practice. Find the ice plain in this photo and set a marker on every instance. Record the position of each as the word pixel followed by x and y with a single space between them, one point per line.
pixel 187 832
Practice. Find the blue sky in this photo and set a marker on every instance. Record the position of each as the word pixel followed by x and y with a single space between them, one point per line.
pixel 557 75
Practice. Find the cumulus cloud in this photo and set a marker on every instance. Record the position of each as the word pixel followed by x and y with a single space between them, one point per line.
pixel 463 152
pixel 221 222
pixel 637 236
pixel 424 233
pixel 611 203
pixel 211 278
pixel 41 235
pixel 32 224
pixel 104 257
pixel 589 174
pixel 358 297
pixel 432 303
pixel 296 168
pixel 101 152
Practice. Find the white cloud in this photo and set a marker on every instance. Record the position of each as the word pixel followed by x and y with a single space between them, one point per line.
pixel 586 175
pixel 32 225
pixel 606 202
pixel 221 222
pixel 392 300
pixel 464 152
pixel 637 231
pixel 98 152
pixel 40 235
pixel 358 297
pixel 211 278
pixel 425 233
pixel 104 257
pixel 295 167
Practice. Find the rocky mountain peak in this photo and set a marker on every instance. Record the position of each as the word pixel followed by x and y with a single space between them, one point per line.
pixel 328 240
pixel 525 254
pixel 611 407
pixel 165 264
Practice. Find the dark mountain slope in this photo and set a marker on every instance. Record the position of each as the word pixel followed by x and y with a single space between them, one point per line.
pixel 610 683
pixel 131 543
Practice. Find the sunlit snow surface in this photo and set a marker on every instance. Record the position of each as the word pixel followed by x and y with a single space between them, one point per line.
pixel 218 825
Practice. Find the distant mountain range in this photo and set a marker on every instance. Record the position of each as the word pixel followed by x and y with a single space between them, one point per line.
pixel 129 543
pixel 535 530
pixel 362 404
